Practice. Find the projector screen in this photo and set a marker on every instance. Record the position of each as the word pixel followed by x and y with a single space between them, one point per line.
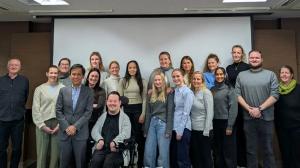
pixel 142 39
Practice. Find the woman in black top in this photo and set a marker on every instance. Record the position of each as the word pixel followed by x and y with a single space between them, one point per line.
pixel 233 70
pixel 287 118
pixel 93 81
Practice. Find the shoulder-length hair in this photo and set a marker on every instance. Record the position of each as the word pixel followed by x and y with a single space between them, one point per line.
pixel 138 77
pixel 159 94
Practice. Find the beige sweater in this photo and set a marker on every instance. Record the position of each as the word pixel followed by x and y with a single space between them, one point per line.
pixel 110 84
pixel 44 102
pixel 132 92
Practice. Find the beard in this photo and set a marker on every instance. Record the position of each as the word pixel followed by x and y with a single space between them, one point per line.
pixel 256 66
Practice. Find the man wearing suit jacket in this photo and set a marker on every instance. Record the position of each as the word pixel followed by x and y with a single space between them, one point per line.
pixel 73 110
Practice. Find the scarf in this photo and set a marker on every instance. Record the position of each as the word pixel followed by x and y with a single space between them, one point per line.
pixel 286 89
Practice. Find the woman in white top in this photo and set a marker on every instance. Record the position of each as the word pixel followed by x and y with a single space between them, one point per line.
pixel 44 117
pixel 134 87
pixel 112 82
pixel 96 62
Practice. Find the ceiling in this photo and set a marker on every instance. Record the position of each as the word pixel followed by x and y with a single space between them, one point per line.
pixel 27 10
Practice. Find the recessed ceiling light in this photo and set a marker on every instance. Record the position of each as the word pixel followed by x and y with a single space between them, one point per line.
pixel 52 2
pixel 238 1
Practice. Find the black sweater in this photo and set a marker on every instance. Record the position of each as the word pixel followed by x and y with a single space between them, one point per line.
pixel 234 69
pixel 287 109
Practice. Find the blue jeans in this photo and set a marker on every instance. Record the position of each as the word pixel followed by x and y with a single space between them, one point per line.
pixel 14 130
pixel 156 136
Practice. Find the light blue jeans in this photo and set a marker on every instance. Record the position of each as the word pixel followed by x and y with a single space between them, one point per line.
pixel 156 136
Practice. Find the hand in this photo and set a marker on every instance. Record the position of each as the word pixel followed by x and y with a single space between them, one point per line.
pixel 178 137
pixel 71 130
pixel 100 144
pixel 149 92
pixel 256 112
pixel 228 131
pixel 112 146
pixel 55 130
pixel 142 119
pixel 170 90
pixel 47 130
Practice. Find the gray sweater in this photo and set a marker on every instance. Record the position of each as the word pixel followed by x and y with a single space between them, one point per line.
pixel 225 103
pixel 163 110
pixel 256 86
pixel 124 128
pixel 202 111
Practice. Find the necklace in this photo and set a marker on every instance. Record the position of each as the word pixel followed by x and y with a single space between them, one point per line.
pixel 236 67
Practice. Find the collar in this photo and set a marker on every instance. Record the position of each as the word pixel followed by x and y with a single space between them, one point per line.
pixel 256 70
pixel 79 87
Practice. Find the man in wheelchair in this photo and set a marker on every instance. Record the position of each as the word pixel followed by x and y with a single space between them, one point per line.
pixel 111 129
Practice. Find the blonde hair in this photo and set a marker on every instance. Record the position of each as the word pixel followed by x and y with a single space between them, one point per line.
pixel 159 94
pixel 203 81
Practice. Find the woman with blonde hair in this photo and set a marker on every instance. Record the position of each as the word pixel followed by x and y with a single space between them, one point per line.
pixel 158 123
pixel 112 82
pixel 202 113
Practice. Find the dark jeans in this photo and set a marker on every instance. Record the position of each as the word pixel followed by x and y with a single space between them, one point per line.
pixel 134 111
pixel 14 130
pixel 179 150
pixel 259 132
pixel 200 150
pixel 106 159
pixel 224 145
pixel 289 143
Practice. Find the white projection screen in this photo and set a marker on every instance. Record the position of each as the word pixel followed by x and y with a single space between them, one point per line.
pixel 142 39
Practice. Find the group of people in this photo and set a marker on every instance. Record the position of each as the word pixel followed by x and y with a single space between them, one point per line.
pixel 180 118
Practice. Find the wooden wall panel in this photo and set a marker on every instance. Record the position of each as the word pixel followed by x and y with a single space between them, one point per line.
pixel 294 24
pixel 278 48
pixel 34 51
pixel 6 30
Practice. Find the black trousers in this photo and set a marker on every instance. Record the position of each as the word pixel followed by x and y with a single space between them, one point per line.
pixel 200 150
pixel 289 143
pixel 134 111
pixel 13 130
pixel 224 145
pixel 240 139
pixel 106 159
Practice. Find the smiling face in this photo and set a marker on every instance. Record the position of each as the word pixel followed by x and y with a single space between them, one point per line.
pixel 164 61
pixel 113 103
pixel 187 65
pixel 237 54
pixel 64 66
pixel 114 69
pixel 197 81
pixel 178 78
pixel 255 60
pixel 158 81
pixel 95 61
pixel 132 69
pixel 212 64
pixel 285 75
pixel 13 66
pixel 93 78
pixel 220 76
pixel 76 76
pixel 52 75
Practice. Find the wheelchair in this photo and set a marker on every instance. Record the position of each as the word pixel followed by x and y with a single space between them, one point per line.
pixel 128 149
